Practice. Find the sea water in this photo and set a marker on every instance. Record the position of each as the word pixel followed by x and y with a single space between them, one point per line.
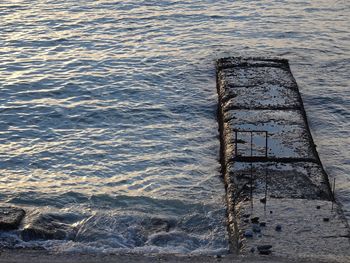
pixel 108 112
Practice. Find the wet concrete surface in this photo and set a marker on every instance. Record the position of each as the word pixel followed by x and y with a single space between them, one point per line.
pixel 279 198
pixel 279 180
pixel 287 134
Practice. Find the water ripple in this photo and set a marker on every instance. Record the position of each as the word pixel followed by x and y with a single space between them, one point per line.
pixel 113 104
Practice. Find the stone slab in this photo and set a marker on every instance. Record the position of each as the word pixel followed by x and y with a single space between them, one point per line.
pixel 287 132
pixel 279 180
pixel 233 62
pixel 256 76
pixel 264 96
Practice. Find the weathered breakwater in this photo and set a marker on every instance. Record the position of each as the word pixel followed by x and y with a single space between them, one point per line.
pixel 278 195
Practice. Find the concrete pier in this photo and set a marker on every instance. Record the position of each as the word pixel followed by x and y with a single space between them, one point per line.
pixel 279 197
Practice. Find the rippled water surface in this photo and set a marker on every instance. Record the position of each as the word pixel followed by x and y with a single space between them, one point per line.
pixel 108 111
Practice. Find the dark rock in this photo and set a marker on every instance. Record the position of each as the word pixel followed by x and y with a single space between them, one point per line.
pixel 262 224
pixel 318 207
pixel 252 250
pixel 263 200
pixel 278 228
pixel 246 220
pixel 255 220
pixel 10 217
pixel 248 233
pixel 326 219
pixel 271 212
pixel 246 215
pixel 46 227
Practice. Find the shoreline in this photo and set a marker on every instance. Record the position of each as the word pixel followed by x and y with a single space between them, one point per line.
pixel 43 256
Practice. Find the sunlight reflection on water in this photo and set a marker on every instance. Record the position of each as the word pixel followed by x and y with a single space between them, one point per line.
pixel 118 98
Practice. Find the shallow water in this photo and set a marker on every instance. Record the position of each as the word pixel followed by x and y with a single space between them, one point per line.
pixel 108 110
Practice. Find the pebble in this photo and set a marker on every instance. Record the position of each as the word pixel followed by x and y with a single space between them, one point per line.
pixel 265 252
pixel 248 233
pixel 326 219
pixel 318 207
pixel 252 250
pixel 264 249
pixel 263 200
pixel 262 224
pixel 278 227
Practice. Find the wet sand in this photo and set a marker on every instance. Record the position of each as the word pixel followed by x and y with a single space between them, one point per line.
pixel 41 256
